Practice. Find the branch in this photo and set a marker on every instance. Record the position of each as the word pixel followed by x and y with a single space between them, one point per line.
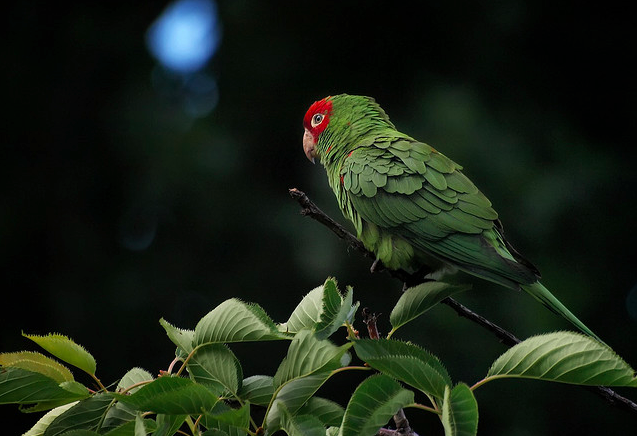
pixel 504 336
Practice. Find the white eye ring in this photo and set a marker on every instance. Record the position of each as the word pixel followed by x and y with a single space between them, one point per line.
pixel 317 119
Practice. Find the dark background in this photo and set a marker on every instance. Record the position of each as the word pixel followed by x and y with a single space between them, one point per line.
pixel 119 208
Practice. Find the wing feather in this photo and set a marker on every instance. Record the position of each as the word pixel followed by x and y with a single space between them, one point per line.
pixel 408 189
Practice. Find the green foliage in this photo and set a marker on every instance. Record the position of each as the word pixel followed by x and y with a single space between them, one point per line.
pixel 419 299
pixel 459 411
pixel 564 357
pixel 207 393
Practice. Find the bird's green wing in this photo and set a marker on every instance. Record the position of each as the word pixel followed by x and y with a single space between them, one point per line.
pixel 408 189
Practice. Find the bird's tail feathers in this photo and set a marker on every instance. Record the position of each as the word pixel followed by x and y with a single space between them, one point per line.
pixel 544 296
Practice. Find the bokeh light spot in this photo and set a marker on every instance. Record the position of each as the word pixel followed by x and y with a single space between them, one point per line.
pixel 186 35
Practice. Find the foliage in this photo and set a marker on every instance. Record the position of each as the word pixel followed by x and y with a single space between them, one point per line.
pixel 208 393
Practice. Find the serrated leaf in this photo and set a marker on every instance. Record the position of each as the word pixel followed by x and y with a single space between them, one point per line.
pixel 214 432
pixel 233 422
pixel 42 424
pixel 172 396
pixel 140 427
pixel 257 389
pixel 460 411
pixel 373 404
pixel 136 427
pixel 133 377
pixel 327 411
pixel 323 310
pixel 307 313
pixel 117 416
pixel 65 349
pixel 406 362
pixel 19 386
pixel 307 355
pixel 332 304
pixel 335 313
pixel 37 362
pixel 293 395
pixel 565 357
pixel 122 413
pixel 75 388
pixel 182 338
pixel 215 366
pixel 300 425
pixel 85 415
pixel 236 321
pixel 308 364
pixel 417 300
pixel 167 425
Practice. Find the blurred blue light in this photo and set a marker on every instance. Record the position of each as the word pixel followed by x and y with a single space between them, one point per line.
pixel 186 35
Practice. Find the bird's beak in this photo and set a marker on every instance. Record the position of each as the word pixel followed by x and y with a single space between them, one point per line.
pixel 308 145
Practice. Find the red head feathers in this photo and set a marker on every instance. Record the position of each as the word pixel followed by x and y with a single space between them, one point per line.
pixel 315 121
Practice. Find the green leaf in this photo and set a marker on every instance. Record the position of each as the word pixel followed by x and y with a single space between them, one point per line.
pixel 182 338
pixel 136 427
pixel 406 362
pixel 460 411
pixel 42 424
pixel 167 425
pixel 258 389
pixel 334 310
pixel 117 416
pixel 293 395
pixel 37 362
pixel 233 422
pixel 236 321
pixel 565 357
pixel 214 432
pixel 85 415
pixel 323 310
pixel 419 299
pixel 300 425
pixel 133 377
pixel 307 313
pixel 172 396
pixel 122 413
pixel 19 386
pixel 373 404
pixel 327 411
pixel 307 355
pixel 308 364
pixel 65 349
pixel 215 366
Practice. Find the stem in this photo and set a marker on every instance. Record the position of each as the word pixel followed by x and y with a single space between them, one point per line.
pixel 99 383
pixel 134 385
pixel 349 368
pixel 480 383
pixel 423 407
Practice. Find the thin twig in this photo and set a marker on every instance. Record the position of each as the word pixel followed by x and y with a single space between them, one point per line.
pixel 504 336
pixel 369 319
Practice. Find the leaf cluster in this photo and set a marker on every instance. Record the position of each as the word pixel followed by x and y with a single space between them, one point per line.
pixel 204 390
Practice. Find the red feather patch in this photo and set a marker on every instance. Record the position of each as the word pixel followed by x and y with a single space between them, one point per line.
pixel 323 107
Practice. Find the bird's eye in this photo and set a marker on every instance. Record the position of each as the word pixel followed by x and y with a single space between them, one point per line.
pixel 317 119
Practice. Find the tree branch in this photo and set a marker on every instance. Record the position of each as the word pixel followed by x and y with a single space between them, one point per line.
pixel 504 336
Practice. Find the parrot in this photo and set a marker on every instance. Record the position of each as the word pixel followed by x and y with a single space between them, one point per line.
pixel 410 204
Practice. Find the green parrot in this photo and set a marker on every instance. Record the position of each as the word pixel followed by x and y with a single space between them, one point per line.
pixel 410 204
